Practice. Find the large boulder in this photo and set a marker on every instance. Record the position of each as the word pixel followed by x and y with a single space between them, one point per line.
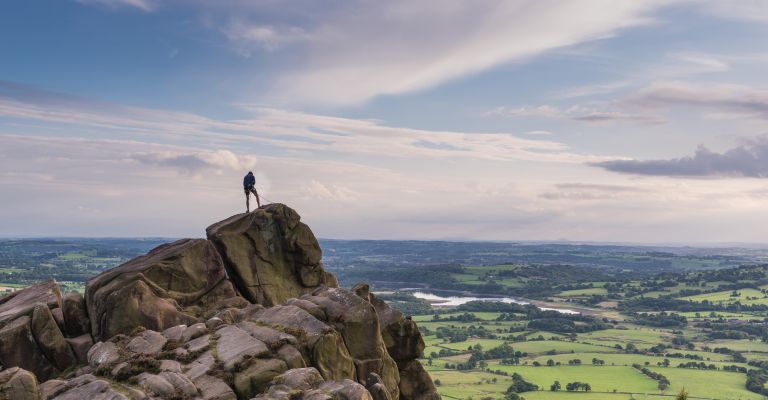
pixel 270 254
pixel 401 335
pixel 19 346
pixel 23 302
pixel 19 349
pixel 88 386
pixel 18 384
pixel 76 321
pixel 50 339
pixel 171 285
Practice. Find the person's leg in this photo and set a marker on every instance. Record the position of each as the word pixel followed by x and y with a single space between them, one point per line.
pixel 247 202
pixel 256 194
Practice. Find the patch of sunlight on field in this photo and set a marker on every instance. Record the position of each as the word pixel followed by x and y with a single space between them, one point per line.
pixel 740 345
pixel 746 296
pixel 635 335
pixel 484 316
pixel 485 343
pixel 709 384
pixel 600 378
pixel 559 346
pixel 547 395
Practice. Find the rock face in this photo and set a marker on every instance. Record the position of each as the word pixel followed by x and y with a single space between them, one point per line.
pixel 270 254
pixel 171 285
pixel 175 323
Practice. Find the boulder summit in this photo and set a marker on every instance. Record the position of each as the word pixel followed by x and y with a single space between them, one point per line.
pixel 248 313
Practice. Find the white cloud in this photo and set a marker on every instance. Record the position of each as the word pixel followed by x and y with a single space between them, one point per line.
pixel 378 48
pixel 191 162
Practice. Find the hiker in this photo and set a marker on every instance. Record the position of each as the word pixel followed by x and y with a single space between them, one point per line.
pixel 249 183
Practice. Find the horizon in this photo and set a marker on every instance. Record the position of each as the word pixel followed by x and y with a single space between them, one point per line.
pixel 671 245
pixel 493 121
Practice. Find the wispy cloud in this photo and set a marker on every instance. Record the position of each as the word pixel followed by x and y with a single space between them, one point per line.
pixel 740 99
pixel 749 160
pixel 591 90
pixel 191 162
pixel 750 10
pixel 145 5
pixel 370 49
pixel 589 191
pixel 280 129
pixel 246 37
pixel 575 113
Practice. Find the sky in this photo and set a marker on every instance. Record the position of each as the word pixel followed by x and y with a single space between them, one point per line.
pixel 592 120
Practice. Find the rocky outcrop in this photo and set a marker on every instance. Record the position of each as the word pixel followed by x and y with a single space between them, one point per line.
pixel 174 284
pixel 248 313
pixel 355 318
pixel 270 254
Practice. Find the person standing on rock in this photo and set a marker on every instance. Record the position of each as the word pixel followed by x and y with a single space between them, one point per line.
pixel 249 185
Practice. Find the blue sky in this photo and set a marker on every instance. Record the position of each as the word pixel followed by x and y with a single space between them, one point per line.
pixel 490 120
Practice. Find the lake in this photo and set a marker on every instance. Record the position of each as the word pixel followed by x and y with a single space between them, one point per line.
pixel 453 301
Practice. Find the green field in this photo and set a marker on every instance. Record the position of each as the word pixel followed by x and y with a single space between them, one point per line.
pixel 559 346
pixel 745 296
pixel 463 385
pixel 629 359
pixel 602 378
pixel 582 292
pixel 615 379
pixel 708 384
pixel 485 316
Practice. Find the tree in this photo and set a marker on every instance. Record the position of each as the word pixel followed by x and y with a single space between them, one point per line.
pixel 555 386
pixel 550 362
pixel 438 382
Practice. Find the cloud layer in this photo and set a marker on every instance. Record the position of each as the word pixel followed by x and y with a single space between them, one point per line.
pixel 745 161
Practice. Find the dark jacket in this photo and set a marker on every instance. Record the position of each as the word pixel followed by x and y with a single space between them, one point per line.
pixel 249 181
